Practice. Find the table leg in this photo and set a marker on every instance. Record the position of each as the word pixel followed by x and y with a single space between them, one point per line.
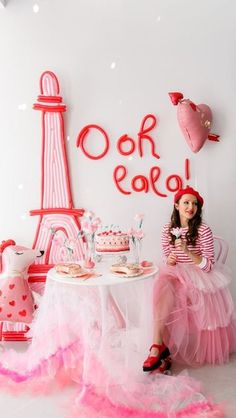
pixel 117 312
pixel 107 299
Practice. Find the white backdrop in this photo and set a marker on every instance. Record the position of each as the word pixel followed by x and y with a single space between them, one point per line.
pixel 116 61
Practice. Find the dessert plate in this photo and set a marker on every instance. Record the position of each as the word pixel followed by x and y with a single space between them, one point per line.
pixel 118 274
pixel 81 275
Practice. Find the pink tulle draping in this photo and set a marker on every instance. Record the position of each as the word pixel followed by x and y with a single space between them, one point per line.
pixel 93 404
pixel 45 367
pixel 48 375
pixel 198 312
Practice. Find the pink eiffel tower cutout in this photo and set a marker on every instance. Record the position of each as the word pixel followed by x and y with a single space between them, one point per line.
pixel 57 212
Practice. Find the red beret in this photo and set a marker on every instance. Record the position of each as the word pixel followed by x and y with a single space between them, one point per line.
pixel 188 190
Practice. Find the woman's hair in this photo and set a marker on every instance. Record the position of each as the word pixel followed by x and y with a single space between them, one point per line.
pixel 193 225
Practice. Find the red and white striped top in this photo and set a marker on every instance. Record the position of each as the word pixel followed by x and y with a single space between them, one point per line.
pixel 204 246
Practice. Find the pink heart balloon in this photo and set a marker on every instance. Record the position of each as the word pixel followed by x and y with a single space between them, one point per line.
pixel 194 121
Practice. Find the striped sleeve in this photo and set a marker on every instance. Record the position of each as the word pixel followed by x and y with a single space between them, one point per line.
pixel 207 247
pixel 165 238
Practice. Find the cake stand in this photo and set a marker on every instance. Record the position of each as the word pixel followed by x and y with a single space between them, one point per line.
pixel 120 256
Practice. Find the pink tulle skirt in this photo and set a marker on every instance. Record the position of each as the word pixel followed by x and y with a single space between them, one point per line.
pixel 77 338
pixel 198 312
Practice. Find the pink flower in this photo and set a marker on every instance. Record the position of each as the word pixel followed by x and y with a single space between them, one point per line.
pixel 135 233
pixel 85 224
pixel 131 232
pixel 70 244
pixel 139 234
pixel 96 222
pixel 89 214
pixel 59 239
pixel 177 232
pixel 90 229
pixel 139 217
pixel 93 228
pixel 89 224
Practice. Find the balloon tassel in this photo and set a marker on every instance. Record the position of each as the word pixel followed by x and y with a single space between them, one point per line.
pixel 213 137
pixel 193 106
pixel 176 97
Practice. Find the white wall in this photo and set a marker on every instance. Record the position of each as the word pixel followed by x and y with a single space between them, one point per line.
pixel 158 46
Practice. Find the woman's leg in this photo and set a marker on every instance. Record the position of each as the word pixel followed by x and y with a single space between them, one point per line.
pixel 164 295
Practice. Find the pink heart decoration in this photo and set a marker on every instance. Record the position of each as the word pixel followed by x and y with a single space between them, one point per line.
pixel 194 123
pixel 194 120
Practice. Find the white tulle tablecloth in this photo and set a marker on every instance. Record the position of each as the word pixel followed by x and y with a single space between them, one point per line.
pixel 107 313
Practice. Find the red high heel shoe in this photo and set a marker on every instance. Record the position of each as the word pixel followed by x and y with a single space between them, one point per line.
pixel 153 362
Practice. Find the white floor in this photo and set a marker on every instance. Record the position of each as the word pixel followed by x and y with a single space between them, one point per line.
pixel 219 383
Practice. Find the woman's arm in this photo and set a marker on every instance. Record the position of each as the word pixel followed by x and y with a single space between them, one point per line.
pixel 197 259
pixel 170 258
pixel 165 238
pixel 205 239
pixel 207 247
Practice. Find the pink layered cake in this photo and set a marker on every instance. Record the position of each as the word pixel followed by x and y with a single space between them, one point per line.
pixel 111 242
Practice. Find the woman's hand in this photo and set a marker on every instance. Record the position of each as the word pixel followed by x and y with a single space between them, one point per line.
pixel 171 260
pixel 181 245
